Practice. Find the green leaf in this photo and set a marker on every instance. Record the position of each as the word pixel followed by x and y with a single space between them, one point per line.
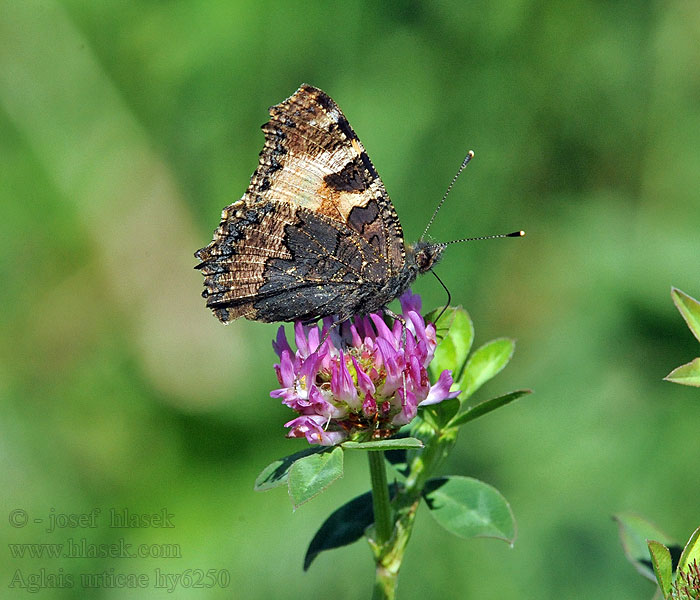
pixel 276 473
pixel 470 508
pixel 311 475
pixel 344 526
pixel 691 552
pixel 689 308
pixel 392 444
pixel 634 532
pixel 451 353
pixel 688 374
pixel 658 595
pixel 443 324
pixel 397 458
pixel 485 363
pixel 440 414
pixel 663 568
pixel 474 412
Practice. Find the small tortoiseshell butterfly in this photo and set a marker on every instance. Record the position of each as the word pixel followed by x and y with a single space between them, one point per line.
pixel 315 234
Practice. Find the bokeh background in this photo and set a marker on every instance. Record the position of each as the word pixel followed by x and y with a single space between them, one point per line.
pixel 127 125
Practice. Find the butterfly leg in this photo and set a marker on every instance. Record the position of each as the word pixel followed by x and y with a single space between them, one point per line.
pixel 328 329
pixel 400 319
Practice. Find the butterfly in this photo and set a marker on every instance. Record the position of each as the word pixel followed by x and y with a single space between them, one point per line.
pixel 315 234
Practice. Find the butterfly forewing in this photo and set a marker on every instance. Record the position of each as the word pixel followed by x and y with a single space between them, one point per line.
pixel 315 234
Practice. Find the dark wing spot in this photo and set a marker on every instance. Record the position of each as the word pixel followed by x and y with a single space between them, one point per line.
pixel 324 100
pixel 367 163
pixel 351 178
pixel 360 217
pixel 344 126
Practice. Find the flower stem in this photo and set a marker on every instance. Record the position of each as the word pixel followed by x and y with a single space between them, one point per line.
pixel 387 560
pixel 380 497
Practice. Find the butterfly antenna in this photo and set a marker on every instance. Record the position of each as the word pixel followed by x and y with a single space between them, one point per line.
pixel 520 233
pixel 464 164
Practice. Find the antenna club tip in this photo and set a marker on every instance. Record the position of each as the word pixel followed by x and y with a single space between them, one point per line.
pixel 466 160
pixel 520 233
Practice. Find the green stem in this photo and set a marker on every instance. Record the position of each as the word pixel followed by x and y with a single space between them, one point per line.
pixel 426 463
pixel 380 497
pixel 392 530
pixel 384 584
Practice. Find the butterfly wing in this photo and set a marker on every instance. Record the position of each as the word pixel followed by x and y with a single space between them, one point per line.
pixel 314 233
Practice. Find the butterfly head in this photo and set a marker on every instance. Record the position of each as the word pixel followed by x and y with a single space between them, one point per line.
pixel 426 255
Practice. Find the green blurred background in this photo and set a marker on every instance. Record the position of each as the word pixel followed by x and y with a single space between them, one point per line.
pixel 126 126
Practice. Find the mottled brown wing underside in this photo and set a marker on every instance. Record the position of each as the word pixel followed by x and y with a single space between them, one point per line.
pixel 315 231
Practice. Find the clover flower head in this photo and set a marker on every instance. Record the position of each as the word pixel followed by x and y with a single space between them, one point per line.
pixel 364 381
